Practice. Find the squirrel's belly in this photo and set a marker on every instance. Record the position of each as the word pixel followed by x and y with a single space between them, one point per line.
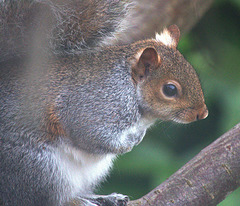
pixel 81 171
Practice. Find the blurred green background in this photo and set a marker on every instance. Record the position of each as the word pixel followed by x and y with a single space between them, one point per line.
pixel 213 48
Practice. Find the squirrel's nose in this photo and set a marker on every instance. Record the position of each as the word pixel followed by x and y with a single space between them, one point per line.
pixel 202 113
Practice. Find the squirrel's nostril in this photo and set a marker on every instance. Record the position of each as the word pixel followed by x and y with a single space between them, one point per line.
pixel 205 114
pixel 202 114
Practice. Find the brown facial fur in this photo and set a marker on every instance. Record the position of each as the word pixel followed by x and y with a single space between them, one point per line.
pixel 189 104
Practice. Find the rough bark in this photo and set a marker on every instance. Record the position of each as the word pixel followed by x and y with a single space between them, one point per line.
pixel 205 180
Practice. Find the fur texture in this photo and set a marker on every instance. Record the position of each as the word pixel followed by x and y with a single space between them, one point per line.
pixel 59 27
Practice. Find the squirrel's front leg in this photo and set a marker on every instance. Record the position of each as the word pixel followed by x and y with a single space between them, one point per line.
pixel 113 199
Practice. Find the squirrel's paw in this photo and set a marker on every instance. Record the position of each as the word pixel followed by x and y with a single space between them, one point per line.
pixel 113 199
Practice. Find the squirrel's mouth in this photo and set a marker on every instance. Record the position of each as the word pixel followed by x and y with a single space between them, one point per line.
pixel 189 115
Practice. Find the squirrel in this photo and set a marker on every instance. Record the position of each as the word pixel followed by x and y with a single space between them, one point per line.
pixel 65 117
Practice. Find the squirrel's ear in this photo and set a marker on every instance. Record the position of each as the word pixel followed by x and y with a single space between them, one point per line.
pixel 149 57
pixel 170 36
pixel 147 60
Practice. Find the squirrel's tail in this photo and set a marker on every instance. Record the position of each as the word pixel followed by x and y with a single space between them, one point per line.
pixel 60 26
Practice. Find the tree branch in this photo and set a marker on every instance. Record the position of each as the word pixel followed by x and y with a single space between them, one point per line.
pixel 205 180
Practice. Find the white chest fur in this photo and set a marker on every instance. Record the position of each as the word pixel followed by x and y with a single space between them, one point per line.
pixel 136 132
pixel 81 170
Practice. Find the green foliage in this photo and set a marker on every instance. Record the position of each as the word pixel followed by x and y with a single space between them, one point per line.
pixel 213 48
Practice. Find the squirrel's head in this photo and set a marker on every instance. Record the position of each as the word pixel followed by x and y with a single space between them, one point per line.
pixel 168 87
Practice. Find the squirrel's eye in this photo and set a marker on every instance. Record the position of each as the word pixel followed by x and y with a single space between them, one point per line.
pixel 170 90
